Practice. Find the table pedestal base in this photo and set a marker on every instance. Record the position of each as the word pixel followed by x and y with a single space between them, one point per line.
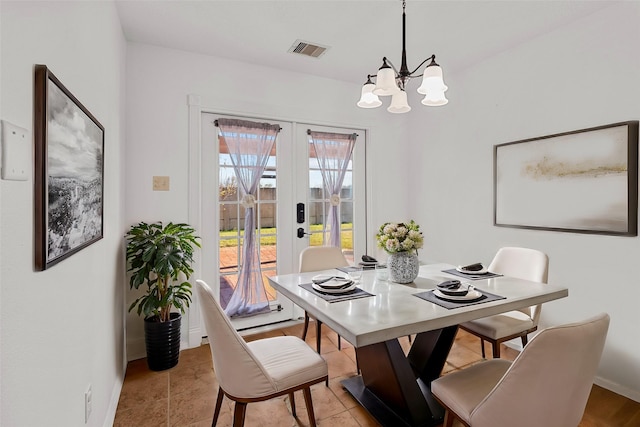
pixel 395 388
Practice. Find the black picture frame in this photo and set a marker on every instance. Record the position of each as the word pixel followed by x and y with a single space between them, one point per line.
pixel 583 181
pixel 69 172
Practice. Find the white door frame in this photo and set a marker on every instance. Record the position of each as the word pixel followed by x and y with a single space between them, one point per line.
pixel 195 201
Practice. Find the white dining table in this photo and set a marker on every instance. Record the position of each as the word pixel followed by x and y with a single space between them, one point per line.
pixel 392 386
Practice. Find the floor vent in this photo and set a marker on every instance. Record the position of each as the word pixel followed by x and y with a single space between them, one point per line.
pixel 308 49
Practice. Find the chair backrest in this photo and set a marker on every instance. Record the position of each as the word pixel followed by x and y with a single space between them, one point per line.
pixel 316 258
pixel 523 263
pixel 549 383
pixel 237 370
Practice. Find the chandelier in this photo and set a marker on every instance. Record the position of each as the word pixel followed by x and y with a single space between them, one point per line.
pixel 390 81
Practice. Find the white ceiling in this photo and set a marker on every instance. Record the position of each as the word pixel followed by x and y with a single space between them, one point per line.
pixel 359 32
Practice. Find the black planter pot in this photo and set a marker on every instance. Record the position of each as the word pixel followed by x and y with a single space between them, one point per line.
pixel 163 342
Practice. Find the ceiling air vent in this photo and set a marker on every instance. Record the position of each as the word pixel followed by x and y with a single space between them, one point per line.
pixel 308 49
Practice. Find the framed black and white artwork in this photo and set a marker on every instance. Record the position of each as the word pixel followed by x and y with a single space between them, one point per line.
pixel 583 181
pixel 69 177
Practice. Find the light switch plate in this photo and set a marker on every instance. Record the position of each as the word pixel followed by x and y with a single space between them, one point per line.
pixel 160 183
pixel 16 152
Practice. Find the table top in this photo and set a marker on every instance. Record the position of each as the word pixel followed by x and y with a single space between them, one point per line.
pixel 394 311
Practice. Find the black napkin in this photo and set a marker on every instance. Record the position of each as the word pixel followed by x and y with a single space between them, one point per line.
pixel 431 297
pixel 356 293
pixel 468 276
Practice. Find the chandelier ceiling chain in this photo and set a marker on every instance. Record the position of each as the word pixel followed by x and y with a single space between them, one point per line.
pixel 391 81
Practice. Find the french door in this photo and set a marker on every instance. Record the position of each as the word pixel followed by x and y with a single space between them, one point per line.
pixel 291 177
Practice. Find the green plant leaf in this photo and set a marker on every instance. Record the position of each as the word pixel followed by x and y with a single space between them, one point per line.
pixel 157 256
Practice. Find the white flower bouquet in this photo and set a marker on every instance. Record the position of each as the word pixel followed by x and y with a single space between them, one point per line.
pixel 402 237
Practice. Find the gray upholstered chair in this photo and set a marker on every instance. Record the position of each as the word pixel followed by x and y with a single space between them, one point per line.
pixel 258 370
pixel 523 263
pixel 548 384
pixel 315 258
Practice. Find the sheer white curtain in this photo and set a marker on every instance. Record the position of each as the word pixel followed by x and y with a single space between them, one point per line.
pixel 333 152
pixel 249 145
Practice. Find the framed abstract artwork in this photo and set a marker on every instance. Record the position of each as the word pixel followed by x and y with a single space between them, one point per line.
pixel 69 178
pixel 584 181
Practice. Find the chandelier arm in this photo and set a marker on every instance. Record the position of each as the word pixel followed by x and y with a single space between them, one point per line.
pixel 395 70
pixel 431 58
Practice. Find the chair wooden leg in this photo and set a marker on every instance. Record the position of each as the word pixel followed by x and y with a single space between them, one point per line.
pixel 448 419
pixel 318 340
pixel 525 340
pixel 216 413
pixel 306 326
pixel 339 343
pixel 318 334
pixel 482 347
pixel 238 414
pixel 292 399
pixel 496 350
pixel 309 403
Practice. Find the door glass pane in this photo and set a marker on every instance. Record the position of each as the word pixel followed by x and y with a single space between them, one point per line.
pixel 318 204
pixel 316 187
pixel 232 217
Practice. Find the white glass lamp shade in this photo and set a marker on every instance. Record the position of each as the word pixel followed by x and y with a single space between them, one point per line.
pixel 368 99
pixel 399 103
pixel 434 99
pixel 386 82
pixel 432 80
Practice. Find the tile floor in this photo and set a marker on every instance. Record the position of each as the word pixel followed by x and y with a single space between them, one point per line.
pixel 185 395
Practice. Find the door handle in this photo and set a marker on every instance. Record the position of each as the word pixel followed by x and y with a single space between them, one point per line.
pixel 302 233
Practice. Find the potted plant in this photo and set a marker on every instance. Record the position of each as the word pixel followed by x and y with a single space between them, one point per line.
pixel 160 257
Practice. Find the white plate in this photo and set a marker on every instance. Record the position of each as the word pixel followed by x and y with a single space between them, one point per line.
pixel 319 288
pixel 471 273
pixel 472 295
pixel 333 282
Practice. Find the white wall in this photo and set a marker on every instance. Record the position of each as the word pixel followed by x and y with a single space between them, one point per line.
pixel 579 76
pixel 63 328
pixel 158 84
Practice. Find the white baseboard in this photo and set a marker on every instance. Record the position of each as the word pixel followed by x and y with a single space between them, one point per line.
pixel 136 349
pixel 618 389
pixel 194 339
pixel 110 416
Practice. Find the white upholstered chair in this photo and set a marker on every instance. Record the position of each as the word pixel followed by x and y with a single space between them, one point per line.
pixel 523 263
pixel 548 384
pixel 258 370
pixel 315 258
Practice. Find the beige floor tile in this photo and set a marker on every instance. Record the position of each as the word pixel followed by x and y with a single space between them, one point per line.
pixel 343 419
pixel 274 412
pixel 147 414
pixel 341 394
pixel 461 356
pixel 195 376
pixel 340 364
pixel 325 402
pixel 362 417
pixel 142 386
pixel 193 405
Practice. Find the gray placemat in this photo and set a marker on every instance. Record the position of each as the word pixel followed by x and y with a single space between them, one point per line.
pixel 354 294
pixel 347 269
pixel 471 276
pixel 431 297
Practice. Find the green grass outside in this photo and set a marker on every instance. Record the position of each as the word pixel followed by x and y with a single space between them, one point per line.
pixel 268 236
